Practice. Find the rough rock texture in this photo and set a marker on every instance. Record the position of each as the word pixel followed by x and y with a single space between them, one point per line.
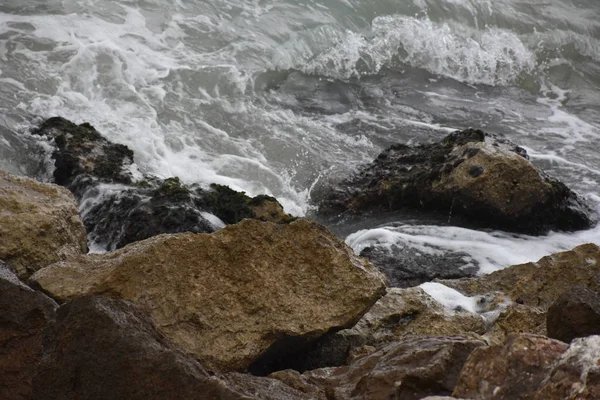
pixel 39 224
pixel 101 348
pixel 577 373
pixel 482 177
pixel 244 295
pixel 408 370
pixel 23 315
pixel 117 209
pixel 517 318
pixel 400 314
pixel 539 284
pixel 406 267
pixel 575 314
pixel 509 371
pixel 118 216
pixel 264 388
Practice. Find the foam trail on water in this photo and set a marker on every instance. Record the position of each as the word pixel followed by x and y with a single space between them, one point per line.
pixel 490 251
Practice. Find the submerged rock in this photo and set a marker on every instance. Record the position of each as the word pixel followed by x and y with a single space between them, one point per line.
pixel 23 315
pixel 509 371
pixel 406 266
pixel 117 209
pixel 238 299
pixel 574 314
pixel 481 177
pixel 102 348
pixel 39 224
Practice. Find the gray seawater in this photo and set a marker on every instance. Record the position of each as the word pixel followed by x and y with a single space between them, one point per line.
pixel 274 97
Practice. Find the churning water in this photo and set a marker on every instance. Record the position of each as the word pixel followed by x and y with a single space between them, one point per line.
pixel 273 96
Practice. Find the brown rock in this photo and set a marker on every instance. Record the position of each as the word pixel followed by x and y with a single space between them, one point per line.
pixel 23 315
pixel 408 370
pixel 400 314
pixel 517 318
pixel 575 314
pixel 101 348
pixel 264 388
pixel 576 375
pixel 540 283
pixel 39 224
pixel 512 370
pixel 300 382
pixel 252 290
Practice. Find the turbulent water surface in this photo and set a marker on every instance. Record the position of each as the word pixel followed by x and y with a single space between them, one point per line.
pixel 273 96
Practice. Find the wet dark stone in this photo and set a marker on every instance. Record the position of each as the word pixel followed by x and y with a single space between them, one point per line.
pixel 468 173
pixel 101 348
pixel 117 210
pixel 475 171
pixel 407 267
pixel 23 315
pixel 575 314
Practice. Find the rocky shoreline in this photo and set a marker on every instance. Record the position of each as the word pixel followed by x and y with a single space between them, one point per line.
pixel 206 293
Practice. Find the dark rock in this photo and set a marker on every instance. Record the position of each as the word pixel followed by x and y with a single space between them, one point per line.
pixel 406 267
pixel 23 315
pixel 482 177
pixel 118 210
pixel 513 370
pixel 81 151
pixel 575 314
pixel 102 348
pixel 409 370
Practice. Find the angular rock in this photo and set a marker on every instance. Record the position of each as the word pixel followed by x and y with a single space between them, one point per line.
pixel 101 348
pixel 410 370
pixel 264 388
pixel 400 314
pixel 300 382
pixel 517 318
pixel 406 267
pixel 244 296
pixel 539 284
pixel 117 209
pixel 513 370
pixel 23 315
pixel 576 375
pixel 39 224
pixel 481 177
pixel 574 314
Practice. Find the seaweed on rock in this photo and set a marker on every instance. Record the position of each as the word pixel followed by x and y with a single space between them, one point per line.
pixel 117 209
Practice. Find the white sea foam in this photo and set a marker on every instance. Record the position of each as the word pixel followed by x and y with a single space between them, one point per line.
pixel 450 298
pixel 491 251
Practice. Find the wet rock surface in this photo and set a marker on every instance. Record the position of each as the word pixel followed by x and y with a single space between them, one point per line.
pixel 241 298
pixel 512 370
pixel 39 224
pixel 576 375
pixel 101 348
pixel 482 177
pixel 23 315
pixel 540 283
pixel 574 314
pixel 117 208
pixel 410 369
pixel 406 267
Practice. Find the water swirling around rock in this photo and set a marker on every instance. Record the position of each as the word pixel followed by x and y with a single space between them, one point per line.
pixel 269 97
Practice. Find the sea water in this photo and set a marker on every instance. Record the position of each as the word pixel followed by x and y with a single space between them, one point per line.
pixel 277 96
